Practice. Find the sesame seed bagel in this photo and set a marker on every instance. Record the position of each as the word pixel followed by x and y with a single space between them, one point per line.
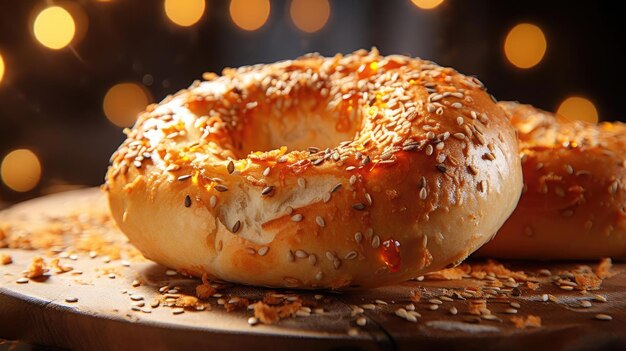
pixel 357 170
pixel 574 200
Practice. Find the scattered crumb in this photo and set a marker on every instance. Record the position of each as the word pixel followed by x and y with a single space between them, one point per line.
pixel 456 273
pixel 271 314
pixel 477 307
pixel 204 290
pixel 58 268
pixel 37 268
pixel 416 295
pixel 5 259
pixel 532 286
pixel 186 301
pixel 603 269
pixel 530 321
pixel 587 281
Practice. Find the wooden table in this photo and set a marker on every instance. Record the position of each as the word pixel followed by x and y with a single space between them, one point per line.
pixel 107 313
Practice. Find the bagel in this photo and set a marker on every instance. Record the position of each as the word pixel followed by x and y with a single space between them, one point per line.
pixel 349 171
pixel 574 200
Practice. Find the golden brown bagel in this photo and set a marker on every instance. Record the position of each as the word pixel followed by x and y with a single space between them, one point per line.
pixel 379 169
pixel 574 200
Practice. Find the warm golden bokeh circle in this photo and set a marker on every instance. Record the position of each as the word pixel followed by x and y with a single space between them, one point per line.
pixel 427 4
pixel 525 45
pixel 1 67
pixel 249 14
pixel 184 13
pixel 54 27
pixel 309 15
pixel 123 102
pixel 577 108
pixel 20 170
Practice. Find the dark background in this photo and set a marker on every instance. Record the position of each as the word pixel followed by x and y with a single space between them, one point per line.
pixel 51 101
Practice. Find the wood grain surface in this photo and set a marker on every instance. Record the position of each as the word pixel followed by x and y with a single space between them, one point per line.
pixel 105 302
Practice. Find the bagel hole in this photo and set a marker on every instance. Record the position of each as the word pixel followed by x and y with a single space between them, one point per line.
pixel 298 129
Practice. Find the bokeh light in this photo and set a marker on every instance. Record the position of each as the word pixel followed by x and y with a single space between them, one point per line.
pixel 309 15
pixel 1 67
pixel 577 108
pixel 249 14
pixel 54 27
pixel 427 4
pixel 20 170
pixel 525 45
pixel 124 101
pixel 184 13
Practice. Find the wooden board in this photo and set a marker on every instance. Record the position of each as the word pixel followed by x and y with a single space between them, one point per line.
pixel 103 317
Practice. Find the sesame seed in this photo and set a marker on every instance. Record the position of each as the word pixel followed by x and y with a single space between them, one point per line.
pixel 263 251
pixel 320 221
pixel 170 272
pixel 22 281
pixel 456 105
pixel 236 227
pixel 178 311
pixel 319 275
pixel 585 303
pixel 230 167
pixel 435 301
pixel 301 182
pixel 459 120
pixel 136 297
pixel 603 317
pixel 266 171
pixel 326 197
pixel 515 305
pixel 290 256
pixel 510 311
pixel 351 255
pixel 253 321
pixel 301 254
pixel 454 311
pixel 221 188
pixel 600 298
pixel 429 150
pixel 313 259
pixel 358 237
pixel 336 263
pixel 335 188
pixel 71 299
pixel 267 190
pixel 375 241
pixel 330 256
pixel 358 206
pixel 441 168
pixel 368 197
pixel 187 201
pixel 297 217
pixel 361 321
pixel 213 201
pixel 184 177
pixel 433 307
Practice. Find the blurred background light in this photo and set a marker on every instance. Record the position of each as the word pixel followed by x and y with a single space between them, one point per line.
pixel 427 4
pixel 20 170
pixel 309 15
pixel 249 14
pixel 525 45
pixel 54 27
pixel 184 13
pixel 578 108
pixel 124 101
pixel 1 67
